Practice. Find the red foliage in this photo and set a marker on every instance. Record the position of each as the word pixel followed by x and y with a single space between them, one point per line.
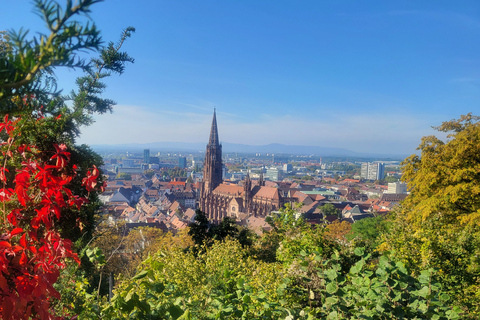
pixel 32 252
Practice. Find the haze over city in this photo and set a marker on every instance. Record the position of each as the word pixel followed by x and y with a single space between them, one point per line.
pixel 366 76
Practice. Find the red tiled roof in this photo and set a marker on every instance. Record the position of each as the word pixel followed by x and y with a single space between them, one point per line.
pixel 228 189
pixel 300 196
pixel 175 205
pixel 267 193
pixel 177 183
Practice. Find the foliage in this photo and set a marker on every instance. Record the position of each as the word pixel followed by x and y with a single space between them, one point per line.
pixel 385 291
pixel 330 210
pixel 124 176
pixel 124 250
pixel 173 172
pixel 438 223
pixel 28 60
pixel 28 91
pixel 390 179
pixel 338 231
pixel 177 284
pixel 32 250
pixel 313 278
pixel 149 173
pixel 369 231
pixel 204 232
pixel 46 178
pixel 350 169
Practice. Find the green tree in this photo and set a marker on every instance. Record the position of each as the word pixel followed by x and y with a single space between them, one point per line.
pixel 438 224
pixel 390 179
pixel 124 176
pixel 49 120
pixel 369 231
pixel 29 92
pixel 149 173
pixel 330 210
pixel 204 232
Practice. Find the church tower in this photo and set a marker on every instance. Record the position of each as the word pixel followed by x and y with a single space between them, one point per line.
pixel 212 167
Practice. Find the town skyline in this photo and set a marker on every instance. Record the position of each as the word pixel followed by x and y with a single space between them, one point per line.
pixel 365 77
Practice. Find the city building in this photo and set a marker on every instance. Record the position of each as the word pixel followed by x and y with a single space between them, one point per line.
pixel 397 187
pixel 287 167
pixel 128 163
pixel 219 199
pixel 182 162
pixel 372 170
pixel 146 156
pixel 274 174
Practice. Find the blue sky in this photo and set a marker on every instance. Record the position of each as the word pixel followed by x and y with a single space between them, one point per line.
pixel 369 76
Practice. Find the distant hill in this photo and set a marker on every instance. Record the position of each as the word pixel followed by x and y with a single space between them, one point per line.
pixel 275 148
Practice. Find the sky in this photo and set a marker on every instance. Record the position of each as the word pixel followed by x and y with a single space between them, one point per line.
pixel 369 76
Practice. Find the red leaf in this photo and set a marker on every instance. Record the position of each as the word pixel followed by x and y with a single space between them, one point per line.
pixel 7 308
pixel 23 259
pixel 5 244
pixel 23 241
pixel 16 231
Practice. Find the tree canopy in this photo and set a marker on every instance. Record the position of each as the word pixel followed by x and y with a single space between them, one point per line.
pixel 438 224
pixel 49 184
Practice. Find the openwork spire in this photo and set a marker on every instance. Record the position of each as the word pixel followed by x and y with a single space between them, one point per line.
pixel 213 141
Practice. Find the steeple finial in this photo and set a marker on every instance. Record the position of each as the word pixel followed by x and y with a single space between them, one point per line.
pixel 214 132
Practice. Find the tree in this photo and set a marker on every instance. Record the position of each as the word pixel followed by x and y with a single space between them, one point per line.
pixel 28 91
pixel 149 173
pixel 390 179
pixel 329 209
pixel 338 231
pixel 124 176
pixel 368 231
pixel 34 196
pixel 438 224
pixel 50 185
pixel 204 232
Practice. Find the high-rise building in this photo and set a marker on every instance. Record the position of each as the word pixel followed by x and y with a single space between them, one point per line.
pixel 287 167
pixel 372 170
pixel 146 156
pixel 182 162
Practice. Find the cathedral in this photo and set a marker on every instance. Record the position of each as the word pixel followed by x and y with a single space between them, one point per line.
pixel 220 199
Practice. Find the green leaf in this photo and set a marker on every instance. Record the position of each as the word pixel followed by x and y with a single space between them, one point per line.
pixel 141 275
pixel 331 274
pixel 424 292
pixel 331 301
pixel 444 297
pixel 175 311
pixel 331 287
pixel 333 315
pixel 359 251
pixel 357 267
pixel 424 277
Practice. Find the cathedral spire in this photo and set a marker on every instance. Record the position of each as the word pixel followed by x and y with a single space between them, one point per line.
pixel 212 169
pixel 213 141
